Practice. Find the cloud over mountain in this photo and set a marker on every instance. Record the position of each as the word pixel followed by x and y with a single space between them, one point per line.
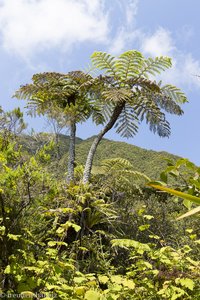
pixel 28 26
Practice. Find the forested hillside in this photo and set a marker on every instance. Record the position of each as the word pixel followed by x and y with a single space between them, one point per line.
pixel 148 161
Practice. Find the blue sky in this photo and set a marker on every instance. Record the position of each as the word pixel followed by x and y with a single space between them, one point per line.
pixel 60 35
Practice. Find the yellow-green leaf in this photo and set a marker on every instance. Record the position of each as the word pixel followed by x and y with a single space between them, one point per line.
pixel 191 198
pixel 103 279
pixel 187 282
pixel 92 295
pixel 190 213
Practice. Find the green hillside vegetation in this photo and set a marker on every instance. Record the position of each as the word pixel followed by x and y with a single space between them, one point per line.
pixel 147 161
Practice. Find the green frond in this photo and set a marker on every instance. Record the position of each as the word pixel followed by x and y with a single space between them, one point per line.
pixel 128 64
pixel 91 82
pixel 99 212
pixel 114 164
pixel 98 117
pixel 104 61
pixel 122 170
pixel 127 123
pixel 155 66
pixel 174 93
pixel 116 95
pixel 168 104
pixel 127 243
pixel 106 110
pixel 78 77
pixel 144 83
pixel 147 109
pixel 132 175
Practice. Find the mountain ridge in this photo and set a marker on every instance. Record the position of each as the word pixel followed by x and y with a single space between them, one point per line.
pixel 150 162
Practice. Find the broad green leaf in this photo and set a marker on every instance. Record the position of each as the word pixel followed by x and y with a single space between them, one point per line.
pixel 7 270
pixel 92 295
pixel 56 243
pixel 128 283
pixel 187 282
pixel 190 213
pixel 13 237
pixel 80 290
pixel 144 227
pixel 187 203
pixel 103 279
pixel 191 198
pixel 2 230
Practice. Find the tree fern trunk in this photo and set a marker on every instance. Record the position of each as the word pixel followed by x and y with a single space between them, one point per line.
pixel 88 166
pixel 71 159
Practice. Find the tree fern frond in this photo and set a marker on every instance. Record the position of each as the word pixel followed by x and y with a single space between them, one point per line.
pixel 153 67
pixel 105 109
pixel 98 117
pixel 132 175
pixel 78 77
pixel 144 83
pixel 168 104
pixel 114 164
pixel 148 109
pixel 104 61
pixel 127 123
pixel 174 93
pixel 128 64
pixel 116 95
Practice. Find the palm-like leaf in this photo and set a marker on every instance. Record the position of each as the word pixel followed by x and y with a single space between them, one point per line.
pixel 122 169
pixel 104 61
pixel 116 95
pixel 153 67
pixel 174 93
pixel 127 123
pixel 182 195
pixel 147 108
pixel 128 64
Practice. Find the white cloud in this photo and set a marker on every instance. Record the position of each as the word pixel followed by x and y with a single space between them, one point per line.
pixel 186 71
pixel 185 66
pixel 131 11
pixel 127 33
pixel 160 43
pixel 28 26
pixel 122 40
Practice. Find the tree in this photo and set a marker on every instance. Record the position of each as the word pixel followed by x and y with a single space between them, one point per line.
pixel 128 96
pixel 61 97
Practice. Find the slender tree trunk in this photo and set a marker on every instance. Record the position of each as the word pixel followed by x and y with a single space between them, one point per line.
pixel 71 160
pixel 88 166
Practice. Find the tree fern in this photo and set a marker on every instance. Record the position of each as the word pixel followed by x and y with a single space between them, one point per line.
pixel 123 169
pixel 126 83
pixel 127 123
pixel 144 83
pixel 149 110
pixel 115 164
pixel 174 93
pixel 128 64
pixel 116 95
pixel 104 61
pixel 153 67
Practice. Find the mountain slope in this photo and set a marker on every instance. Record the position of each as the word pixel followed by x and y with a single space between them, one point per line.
pixel 147 161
